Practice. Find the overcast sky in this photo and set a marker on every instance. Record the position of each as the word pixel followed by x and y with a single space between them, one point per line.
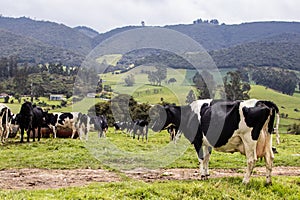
pixel 104 15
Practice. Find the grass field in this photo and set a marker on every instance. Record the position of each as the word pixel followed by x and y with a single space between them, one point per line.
pixel 225 188
pixel 73 154
pixel 69 154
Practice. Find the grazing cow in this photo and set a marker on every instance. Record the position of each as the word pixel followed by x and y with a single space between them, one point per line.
pixel 228 126
pixel 140 128
pixel 29 119
pixel 5 120
pixel 172 130
pixel 100 124
pixel 14 126
pixel 67 120
pixel 120 126
pixel 129 127
pixel 83 125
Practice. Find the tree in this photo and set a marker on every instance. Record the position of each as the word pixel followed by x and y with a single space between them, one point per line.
pixel 206 87
pixel 281 80
pixel 172 80
pixel 21 80
pixel 190 97
pixel 235 89
pixel 129 80
pixel 99 86
pixel 157 76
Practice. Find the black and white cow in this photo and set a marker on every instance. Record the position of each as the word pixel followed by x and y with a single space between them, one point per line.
pixel 100 124
pixel 30 118
pixel 5 120
pixel 141 129
pixel 65 120
pixel 120 126
pixel 14 126
pixel 172 130
pixel 227 126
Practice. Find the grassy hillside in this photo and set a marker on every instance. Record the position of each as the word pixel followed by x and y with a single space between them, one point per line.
pixel 34 51
pixel 286 103
pixel 111 59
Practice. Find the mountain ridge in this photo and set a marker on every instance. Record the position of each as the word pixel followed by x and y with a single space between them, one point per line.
pixel 50 41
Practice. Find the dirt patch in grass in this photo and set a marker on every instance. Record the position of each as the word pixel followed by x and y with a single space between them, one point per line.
pixel 45 179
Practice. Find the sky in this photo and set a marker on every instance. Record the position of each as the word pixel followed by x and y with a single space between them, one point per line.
pixel 105 15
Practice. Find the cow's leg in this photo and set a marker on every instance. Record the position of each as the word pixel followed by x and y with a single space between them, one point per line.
pixel 33 134
pixel 104 132
pixel 199 150
pixel 6 132
pixel 147 133
pixel 53 128
pixel 86 134
pixel 1 133
pixel 28 134
pixel 74 131
pixel 250 150
pixel 207 152
pixel 269 157
pixel 54 131
pixel 39 133
pixel 22 134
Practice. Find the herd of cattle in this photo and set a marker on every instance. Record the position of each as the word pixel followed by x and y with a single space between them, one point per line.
pixel 67 124
pixel 227 126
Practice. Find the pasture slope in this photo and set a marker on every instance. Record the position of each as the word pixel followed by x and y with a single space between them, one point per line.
pixel 65 169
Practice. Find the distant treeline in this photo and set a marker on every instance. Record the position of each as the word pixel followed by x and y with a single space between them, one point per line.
pixel 24 79
pixel 281 80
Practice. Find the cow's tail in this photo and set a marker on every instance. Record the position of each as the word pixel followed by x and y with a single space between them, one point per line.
pixel 277 128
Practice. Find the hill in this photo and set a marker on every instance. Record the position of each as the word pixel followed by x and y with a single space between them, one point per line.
pixel 50 33
pixel 277 51
pixel 31 50
pixel 87 31
pixel 257 43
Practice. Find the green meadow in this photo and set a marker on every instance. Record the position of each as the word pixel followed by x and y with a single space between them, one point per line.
pixel 115 151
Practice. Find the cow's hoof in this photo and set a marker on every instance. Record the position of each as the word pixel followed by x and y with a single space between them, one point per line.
pixel 204 177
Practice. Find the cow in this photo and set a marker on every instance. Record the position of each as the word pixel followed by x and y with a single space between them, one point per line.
pixel 141 128
pixel 172 130
pixel 65 120
pixel 120 126
pixel 100 124
pixel 14 126
pixel 30 118
pixel 130 127
pixel 82 125
pixel 5 120
pixel 227 126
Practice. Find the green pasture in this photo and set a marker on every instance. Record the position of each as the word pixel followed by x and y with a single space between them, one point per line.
pixel 72 154
pixel 220 188
pixel 76 154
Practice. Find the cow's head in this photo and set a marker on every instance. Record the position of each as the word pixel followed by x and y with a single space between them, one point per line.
pixel 51 119
pixel 158 116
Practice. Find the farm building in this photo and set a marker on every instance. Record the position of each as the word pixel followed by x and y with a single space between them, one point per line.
pixel 56 97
